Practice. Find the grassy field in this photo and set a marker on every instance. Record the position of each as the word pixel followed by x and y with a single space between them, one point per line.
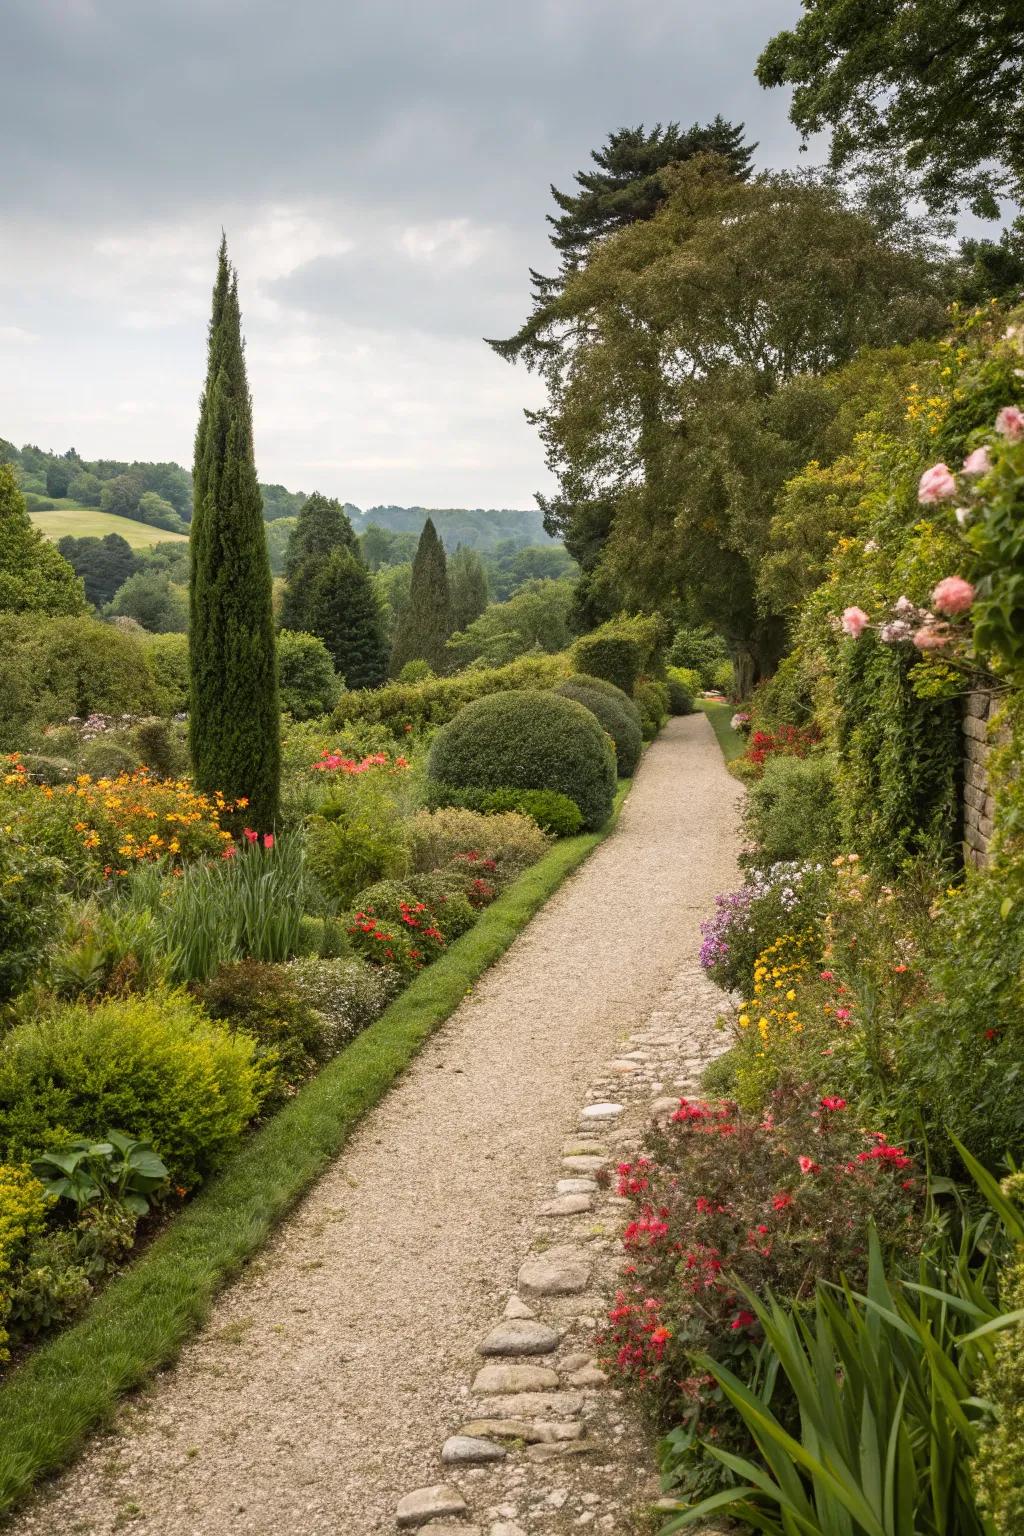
pixel 73 1383
pixel 81 522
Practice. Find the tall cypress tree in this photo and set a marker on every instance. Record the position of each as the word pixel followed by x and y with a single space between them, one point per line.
pixel 234 719
pixel 426 620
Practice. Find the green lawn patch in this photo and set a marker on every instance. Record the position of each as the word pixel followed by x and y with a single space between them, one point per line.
pixel 733 745
pixel 72 1384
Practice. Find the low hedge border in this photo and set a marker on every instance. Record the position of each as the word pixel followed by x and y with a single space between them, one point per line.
pixel 73 1383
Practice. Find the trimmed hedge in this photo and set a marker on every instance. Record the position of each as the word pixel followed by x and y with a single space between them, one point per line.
pixel 436 700
pixel 609 690
pixel 621 723
pixel 621 650
pixel 529 740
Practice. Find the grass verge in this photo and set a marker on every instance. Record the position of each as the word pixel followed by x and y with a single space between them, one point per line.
pixel 72 1384
pixel 733 745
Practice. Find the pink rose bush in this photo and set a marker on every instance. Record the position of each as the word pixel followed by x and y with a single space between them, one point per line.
pixel 953 596
pixel 1010 423
pixel 936 484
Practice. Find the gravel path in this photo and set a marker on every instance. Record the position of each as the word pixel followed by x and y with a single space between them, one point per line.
pixel 331 1371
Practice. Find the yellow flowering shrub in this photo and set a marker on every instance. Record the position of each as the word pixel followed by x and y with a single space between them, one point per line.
pixel 124 821
pixel 772 1016
pixel 23 1207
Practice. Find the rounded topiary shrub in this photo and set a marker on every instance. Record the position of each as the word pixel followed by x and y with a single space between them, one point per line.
pixel 529 740
pixel 615 657
pixel 621 723
pixel 610 691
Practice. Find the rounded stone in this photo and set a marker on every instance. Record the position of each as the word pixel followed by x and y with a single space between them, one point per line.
pixel 567 1205
pixel 469 1450
pixel 559 1272
pixel 493 1380
pixel 425 1504
pixel 605 1111
pixel 519 1336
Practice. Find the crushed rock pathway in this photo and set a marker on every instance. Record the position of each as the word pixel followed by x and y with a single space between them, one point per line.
pixel 333 1371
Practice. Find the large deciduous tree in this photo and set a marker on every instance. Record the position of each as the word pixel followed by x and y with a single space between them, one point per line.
pixel 234 722
pixel 425 622
pixel 692 390
pixel 937 85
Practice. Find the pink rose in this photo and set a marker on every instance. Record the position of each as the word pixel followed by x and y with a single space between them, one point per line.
pixel 953 595
pixel 928 639
pixel 1010 423
pixel 855 621
pixel 978 463
pixel 936 484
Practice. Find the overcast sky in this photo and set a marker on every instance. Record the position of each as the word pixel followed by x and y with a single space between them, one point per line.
pixel 381 168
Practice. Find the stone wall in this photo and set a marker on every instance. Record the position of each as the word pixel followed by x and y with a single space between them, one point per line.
pixel 979 805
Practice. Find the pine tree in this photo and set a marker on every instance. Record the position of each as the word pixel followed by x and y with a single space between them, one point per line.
pixel 626 187
pixel 426 620
pixel 467 581
pixel 335 599
pixel 322 526
pixel 234 721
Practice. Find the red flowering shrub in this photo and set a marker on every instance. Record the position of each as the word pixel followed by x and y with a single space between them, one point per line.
pixel 787 740
pixel 727 1203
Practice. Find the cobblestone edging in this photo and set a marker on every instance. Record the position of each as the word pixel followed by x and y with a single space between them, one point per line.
pixel 544 1444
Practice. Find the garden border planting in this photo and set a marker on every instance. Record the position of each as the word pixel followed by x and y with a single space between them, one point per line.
pixel 72 1383
pixel 720 716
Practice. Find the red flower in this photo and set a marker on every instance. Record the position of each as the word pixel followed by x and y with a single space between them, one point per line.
pixel 743 1320
pixel 251 836
pixel 268 839
pixel 833 1103
pixel 808 1165
pixel 229 851
pixel 780 1201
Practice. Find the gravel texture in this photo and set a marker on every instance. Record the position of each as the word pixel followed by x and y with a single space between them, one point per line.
pixel 334 1369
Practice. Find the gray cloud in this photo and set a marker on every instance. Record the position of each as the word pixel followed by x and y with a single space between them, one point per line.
pixel 382 168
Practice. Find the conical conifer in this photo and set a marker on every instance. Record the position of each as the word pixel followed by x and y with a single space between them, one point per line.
pixel 426 620
pixel 234 723
pixel 335 599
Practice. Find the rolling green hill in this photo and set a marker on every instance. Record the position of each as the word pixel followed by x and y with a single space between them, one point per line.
pixel 81 522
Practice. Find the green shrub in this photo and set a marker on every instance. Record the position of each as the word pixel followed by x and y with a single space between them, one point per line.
pixel 168 662
pixel 29 905
pixel 786 698
pixel 265 1002
pixel 23 1209
pixel 415 672
pixel 601 685
pixel 358 838
pixel 652 700
pixel 48 770
pixel 324 937
pixel 513 840
pixel 681 691
pixel 529 740
pixel 548 810
pixel 154 1064
pixel 699 651
pixel 436 700
pixel 620 723
pixel 162 746
pixel 723 677
pixel 614 657
pixel 792 812
pixel 108 756
pixel 347 994
pixel 308 683
pixel 53 668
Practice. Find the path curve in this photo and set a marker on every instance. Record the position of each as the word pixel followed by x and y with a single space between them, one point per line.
pixel 330 1371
